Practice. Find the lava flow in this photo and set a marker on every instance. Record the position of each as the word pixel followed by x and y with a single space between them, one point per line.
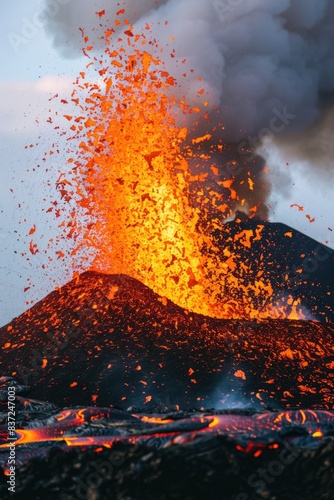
pixel 43 427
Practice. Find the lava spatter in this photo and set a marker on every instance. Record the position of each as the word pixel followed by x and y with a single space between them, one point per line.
pixel 129 181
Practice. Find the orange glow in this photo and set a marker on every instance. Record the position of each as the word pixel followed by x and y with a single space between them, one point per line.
pixel 214 422
pixel 155 420
pixel 33 436
pixel 64 429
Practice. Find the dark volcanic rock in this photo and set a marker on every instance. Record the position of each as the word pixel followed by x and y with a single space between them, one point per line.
pixel 209 468
pixel 295 264
pixel 109 340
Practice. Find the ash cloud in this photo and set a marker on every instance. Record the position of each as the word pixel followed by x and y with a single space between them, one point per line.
pixel 265 65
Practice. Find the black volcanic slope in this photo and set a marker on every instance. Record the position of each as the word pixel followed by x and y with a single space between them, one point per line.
pixel 294 263
pixel 109 340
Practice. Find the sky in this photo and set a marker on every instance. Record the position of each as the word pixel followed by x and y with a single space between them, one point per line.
pixel 32 71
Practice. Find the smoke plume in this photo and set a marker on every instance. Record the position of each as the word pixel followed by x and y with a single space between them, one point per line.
pixel 267 67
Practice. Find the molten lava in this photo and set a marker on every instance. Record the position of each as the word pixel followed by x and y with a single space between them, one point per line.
pixel 44 427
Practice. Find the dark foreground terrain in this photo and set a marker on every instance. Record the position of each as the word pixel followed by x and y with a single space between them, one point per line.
pixel 208 468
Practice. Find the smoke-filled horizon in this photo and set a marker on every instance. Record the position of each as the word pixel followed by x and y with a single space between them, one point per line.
pixel 266 67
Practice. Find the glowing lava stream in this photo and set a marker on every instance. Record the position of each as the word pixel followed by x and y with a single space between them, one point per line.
pixel 183 430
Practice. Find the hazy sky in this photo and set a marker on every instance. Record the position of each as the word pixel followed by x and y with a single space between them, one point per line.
pixel 32 71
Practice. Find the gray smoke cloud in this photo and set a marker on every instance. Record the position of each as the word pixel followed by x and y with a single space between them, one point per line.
pixel 268 67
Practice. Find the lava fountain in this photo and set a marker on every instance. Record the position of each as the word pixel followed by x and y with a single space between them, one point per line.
pixel 130 178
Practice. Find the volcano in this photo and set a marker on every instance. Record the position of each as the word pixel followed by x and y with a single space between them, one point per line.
pixel 109 340
pixel 189 370
pixel 116 382
pixel 137 375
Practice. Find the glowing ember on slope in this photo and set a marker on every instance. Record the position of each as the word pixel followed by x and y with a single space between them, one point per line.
pixel 130 182
pixel 137 349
